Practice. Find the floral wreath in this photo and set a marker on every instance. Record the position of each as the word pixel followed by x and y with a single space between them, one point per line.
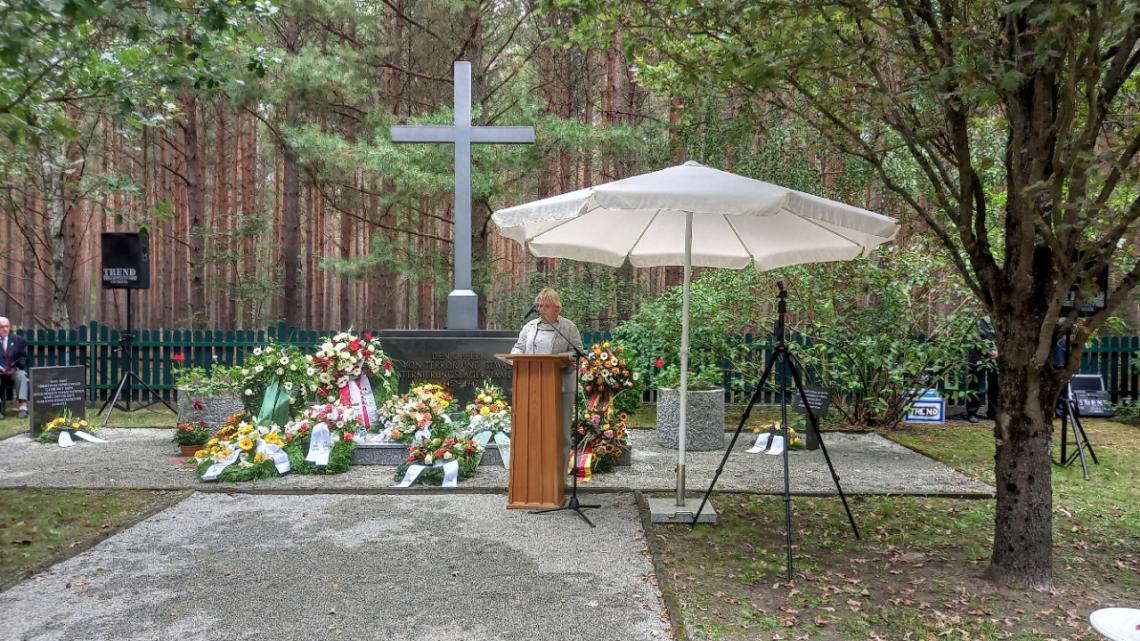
pixel 240 435
pixel 600 432
pixel 436 452
pixel 346 357
pixel 424 407
pixel 286 363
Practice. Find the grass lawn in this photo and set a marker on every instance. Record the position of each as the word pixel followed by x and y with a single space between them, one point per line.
pixel 39 527
pixel 917 574
pixel 154 416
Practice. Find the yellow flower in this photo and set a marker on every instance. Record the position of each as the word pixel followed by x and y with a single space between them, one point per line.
pixel 245 428
pixel 212 442
pixel 246 443
pixel 259 457
pixel 273 439
pixel 201 454
pixel 444 404
pixel 485 411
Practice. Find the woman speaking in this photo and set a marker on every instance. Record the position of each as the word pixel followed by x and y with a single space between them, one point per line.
pixel 549 333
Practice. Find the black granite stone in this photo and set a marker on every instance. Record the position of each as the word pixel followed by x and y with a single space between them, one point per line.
pixel 457 359
pixel 54 389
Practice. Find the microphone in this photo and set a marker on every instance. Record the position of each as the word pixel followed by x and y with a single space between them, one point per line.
pixel 531 312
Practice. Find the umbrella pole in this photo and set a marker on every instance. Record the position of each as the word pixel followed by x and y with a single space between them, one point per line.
pixel 684 360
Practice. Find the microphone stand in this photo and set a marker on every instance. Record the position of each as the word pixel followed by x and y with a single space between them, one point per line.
pixel 573 504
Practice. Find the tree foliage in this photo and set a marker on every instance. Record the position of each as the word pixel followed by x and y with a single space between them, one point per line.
pixel 1011 129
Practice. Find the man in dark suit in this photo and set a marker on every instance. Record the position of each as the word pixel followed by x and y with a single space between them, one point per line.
pixel 14 362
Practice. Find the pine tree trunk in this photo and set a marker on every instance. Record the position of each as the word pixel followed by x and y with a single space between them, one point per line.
pixel 291 230
pixel 196 208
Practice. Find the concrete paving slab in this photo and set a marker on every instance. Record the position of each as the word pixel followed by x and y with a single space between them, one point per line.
pixel 391 567
pixel 866 464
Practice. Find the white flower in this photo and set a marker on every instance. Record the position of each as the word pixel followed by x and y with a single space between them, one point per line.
pixel 284 360
pixel 259 369
pixel 310 371
pixel 292 368
pixel 244 371
pixel 288 386
pixel 257 351
pixel 280 371
pixel 248 392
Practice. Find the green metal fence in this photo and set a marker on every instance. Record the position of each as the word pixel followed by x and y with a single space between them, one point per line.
pixel 97 347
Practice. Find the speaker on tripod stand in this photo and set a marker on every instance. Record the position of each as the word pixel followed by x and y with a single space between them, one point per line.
pixel 126 265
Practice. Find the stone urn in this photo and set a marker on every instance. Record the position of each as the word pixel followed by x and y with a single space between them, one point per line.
pixel 705 418
pixel 213 408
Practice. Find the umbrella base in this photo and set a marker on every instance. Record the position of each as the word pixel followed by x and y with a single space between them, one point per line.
pixel 666 510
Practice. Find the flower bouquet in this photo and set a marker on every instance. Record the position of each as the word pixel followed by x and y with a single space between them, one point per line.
pixel 440 461
pixel 242 451
pixel 489 417
pixel 286 364
pixel 424 407
pixel 603 369
pixel 342 423
pixel 489 412
pixel 67 424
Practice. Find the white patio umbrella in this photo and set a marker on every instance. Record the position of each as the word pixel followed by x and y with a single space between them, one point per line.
pixel 693 215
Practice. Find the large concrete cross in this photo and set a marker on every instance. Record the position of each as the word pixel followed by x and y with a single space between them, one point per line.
pixel 462 302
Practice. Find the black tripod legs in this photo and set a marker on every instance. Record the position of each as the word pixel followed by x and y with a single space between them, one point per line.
pixel 813 424
pixel 1070 420
pixel 574 506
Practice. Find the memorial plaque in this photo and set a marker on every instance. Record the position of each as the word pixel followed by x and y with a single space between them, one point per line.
pixel 457 359
pixel 54 389
pixel 818 398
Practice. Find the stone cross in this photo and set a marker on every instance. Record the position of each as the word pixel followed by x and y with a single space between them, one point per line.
pixel 462 302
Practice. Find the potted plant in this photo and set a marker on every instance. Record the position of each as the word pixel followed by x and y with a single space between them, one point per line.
pixel 208 395
pixel 190 437
pixel 704 416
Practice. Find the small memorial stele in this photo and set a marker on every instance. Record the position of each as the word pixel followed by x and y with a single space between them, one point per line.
pixel 51 390
pixel 819 398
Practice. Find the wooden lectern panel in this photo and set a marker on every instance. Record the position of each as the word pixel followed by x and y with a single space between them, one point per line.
pixel 537 463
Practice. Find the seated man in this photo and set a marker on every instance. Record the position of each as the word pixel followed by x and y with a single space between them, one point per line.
pixel 14 362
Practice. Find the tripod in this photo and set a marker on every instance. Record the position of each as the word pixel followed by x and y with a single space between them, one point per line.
pixel 128 374
pixel 788 363
pixel 1070 419
pixel 573 504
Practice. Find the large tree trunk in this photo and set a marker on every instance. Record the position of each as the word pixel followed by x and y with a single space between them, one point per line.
pixel 1023 517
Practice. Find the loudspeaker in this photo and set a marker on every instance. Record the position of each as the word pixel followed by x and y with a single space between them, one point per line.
pixel 126 261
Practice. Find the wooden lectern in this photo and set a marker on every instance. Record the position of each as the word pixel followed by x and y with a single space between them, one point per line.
pixel 536 470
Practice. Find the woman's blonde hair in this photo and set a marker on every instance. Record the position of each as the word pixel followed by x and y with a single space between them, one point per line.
pixel 548 295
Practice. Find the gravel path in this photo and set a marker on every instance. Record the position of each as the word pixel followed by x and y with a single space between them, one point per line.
pixel 866 464
pixel 391 567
